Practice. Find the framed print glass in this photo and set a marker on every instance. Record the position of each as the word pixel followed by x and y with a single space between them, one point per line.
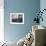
pixel 16 18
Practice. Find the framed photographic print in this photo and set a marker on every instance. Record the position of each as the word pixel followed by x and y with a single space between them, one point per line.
pixel 16 18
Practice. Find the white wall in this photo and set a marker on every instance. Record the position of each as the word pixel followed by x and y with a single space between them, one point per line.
pixel 43 6
pixel 1 21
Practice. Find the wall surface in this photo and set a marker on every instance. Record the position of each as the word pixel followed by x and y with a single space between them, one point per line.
pixel 43 6
pixel 1 20
pixel 29 8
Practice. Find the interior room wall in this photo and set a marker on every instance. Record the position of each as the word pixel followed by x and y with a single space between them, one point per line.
pixel 43 6
pixel 13 32
pixel 1 20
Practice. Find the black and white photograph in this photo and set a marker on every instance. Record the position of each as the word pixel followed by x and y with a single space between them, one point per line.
pixel 16 18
